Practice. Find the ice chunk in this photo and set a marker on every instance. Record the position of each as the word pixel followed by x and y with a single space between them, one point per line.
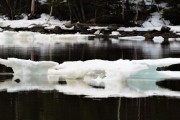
pixel 158 39
pixel 24 68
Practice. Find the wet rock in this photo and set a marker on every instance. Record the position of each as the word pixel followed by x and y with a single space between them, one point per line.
pixel 17 80
pixel 113 27
pixel 68 25
pixel 165 42
pixel 148 36
pixel 81 28
pixel 38 29
pixel 56 30
pixel 165 29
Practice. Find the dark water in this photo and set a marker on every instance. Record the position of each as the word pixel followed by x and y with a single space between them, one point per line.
pixel 51 105
pixel 36 105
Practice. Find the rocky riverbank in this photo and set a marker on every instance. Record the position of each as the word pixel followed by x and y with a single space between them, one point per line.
pixel 104 32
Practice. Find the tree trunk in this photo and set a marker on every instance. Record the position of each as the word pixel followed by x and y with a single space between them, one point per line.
pixel 50 13
pixel 70 12
pixel 33 7
pixel 137 14
pixel 123 7
pixel 82 11
pixel 10 10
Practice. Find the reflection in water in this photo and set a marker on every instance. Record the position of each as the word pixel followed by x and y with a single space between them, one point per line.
pixel 94 49
pixel 55 106
pixel 36 105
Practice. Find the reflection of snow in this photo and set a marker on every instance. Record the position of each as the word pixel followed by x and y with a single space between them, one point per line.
pixel 29 38
pixel 135 78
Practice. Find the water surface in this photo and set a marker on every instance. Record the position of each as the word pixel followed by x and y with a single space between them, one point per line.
pixel 52 105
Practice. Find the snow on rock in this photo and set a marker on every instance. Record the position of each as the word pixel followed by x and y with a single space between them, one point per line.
pixel 97 27
pixel 126 78
pixel 155 20
pixel 97 32
pixel 129 29
pixel 115 33
pixel 133 38
pixel 158 39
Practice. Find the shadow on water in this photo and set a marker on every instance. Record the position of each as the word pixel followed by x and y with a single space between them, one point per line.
pixel 38 105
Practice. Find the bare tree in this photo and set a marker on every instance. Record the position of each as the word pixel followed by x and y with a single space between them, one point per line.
pixel 137 13
pixel 10 9
pixel 32 14
pixel 123 8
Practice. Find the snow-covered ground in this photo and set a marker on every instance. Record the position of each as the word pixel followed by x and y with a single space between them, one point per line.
pixel 30 23
pixel 123 78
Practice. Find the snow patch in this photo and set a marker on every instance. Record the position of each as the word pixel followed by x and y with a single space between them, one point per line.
pixel 26 23
pixel 155 20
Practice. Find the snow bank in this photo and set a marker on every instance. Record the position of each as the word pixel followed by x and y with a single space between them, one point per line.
pixel 155 20
pixel 30 23
pixel 126 78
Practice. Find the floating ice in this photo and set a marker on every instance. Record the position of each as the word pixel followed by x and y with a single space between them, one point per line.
pixel 94 78
pixel 158 39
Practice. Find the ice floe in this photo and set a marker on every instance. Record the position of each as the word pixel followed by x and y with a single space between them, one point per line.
pixel 93 78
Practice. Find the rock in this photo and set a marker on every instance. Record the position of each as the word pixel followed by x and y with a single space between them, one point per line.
pixel 165 29
pixel 57 30
pixel 148 36
pixel 101 86
pixel 38 29
pixel 17 80
pixel 81 28
pixel 113 27
pixel 68 25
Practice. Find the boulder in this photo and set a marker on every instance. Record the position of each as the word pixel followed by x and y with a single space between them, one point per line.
pixel 113 27
pixel 148 36
pixel 57 30
pixel 165 29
